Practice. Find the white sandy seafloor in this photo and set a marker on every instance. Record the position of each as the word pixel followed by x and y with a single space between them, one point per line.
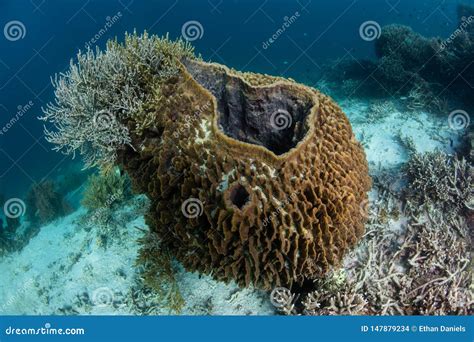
pixel 63 270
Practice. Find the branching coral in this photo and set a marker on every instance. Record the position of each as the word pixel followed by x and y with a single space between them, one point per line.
pixel 379 110
pixel 283 300
pixel 441 179
pixel 101 90
pixel 102 194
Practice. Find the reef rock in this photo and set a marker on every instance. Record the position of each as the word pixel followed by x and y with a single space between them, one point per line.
pixel 251 178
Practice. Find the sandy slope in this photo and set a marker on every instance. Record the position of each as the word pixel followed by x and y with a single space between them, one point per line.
pixel 64 270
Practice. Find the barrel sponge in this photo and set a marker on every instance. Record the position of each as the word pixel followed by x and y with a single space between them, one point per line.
pixel 271 170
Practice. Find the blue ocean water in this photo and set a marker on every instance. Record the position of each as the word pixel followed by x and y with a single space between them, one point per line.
pixel 401 70
pixel 234 33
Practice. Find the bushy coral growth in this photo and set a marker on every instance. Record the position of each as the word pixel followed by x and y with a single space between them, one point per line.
pixel 103 193
pixel 103 88
pixel 158 274
pixel 44 203
pixel 106 189
pixel 440 179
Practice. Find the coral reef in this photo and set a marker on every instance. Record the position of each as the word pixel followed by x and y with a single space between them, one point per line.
pixel 419 265
pixel 440 179
pixel 227 159
pixel 430 69
pixel 44 203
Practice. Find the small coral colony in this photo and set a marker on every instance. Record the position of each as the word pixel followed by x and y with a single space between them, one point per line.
pixel 260 180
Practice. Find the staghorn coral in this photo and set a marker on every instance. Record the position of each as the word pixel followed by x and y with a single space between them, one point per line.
pixel 283 300
pixel 102 89
pixel 270 169
pixel 441 179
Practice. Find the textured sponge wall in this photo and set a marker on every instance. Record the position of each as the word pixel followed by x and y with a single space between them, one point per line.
pixel 262 216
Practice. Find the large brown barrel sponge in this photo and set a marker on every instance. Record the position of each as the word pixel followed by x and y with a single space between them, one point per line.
pixel 251 178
